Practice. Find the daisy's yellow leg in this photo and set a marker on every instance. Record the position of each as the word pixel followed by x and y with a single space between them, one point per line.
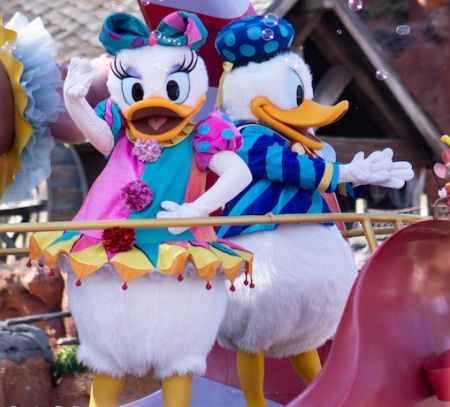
pixel 105 390
pixel 250 367
pixel 177 391
pixel 307 365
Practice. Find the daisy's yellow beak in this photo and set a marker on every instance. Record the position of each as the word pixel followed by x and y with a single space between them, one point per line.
pixel 295 123
pixel 159 119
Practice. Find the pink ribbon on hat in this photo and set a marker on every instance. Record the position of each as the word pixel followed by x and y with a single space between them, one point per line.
pixel 180 29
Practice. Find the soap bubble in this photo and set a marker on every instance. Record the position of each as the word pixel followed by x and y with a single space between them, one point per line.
pixel 267 34
pixel 270 20
pixel 117 6
pixel 403 29
pixel 166 40
pixel 156 35
pixel 381 75
pixel 355 5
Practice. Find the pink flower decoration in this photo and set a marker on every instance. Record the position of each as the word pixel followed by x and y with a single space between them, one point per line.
pixel 147 150
pixel 137 195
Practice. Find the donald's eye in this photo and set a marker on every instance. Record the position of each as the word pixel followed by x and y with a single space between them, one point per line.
pixel 294 89
pixel 132 90
pixel 178 86
pixel 300 95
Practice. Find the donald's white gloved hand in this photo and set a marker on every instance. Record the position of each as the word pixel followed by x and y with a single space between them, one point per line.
pixel 76 86
pixel 377 169
pixel 234 176
pixel 79 78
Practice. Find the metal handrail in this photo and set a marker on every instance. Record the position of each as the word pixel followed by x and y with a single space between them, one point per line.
pixel 35 318
pixel 365 219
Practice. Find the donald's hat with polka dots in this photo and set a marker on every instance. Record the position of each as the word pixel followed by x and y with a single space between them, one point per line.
pixel 254 38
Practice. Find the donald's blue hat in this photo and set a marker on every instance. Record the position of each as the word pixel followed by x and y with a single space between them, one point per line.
pixel 254 38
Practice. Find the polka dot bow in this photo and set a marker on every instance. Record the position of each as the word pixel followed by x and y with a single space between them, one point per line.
pixel 124 31
pixel 254 38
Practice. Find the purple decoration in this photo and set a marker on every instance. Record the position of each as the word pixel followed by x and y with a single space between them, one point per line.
pixel 137 195
pixel 138 42
pixel 114 35
pixel 147 150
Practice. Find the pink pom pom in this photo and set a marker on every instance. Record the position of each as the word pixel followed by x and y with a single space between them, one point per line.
pixel 137 195
pixel 147 150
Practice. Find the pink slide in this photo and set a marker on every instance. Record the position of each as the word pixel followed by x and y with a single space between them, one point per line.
pixel 397 319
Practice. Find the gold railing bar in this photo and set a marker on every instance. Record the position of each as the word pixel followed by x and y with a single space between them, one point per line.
pixel 213 221
pixel 345 233
pixel 365 219
pixel 360 232
pixel 13 251
pixel 398 224
pixel 370 234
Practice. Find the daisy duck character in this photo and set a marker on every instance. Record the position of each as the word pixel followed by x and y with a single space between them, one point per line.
pixel 304 271
pixel 176 295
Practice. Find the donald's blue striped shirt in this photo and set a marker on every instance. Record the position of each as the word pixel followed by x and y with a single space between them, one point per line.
pixel 283 181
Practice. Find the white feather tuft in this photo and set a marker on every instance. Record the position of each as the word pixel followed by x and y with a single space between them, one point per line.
pixel 266 79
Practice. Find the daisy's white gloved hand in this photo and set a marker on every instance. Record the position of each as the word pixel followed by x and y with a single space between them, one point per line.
pixel 234 176
pixel 79 78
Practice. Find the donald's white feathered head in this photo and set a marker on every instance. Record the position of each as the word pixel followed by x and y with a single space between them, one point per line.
pixel 270 84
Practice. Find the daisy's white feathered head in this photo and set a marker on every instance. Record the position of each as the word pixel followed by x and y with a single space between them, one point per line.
pixel 157 78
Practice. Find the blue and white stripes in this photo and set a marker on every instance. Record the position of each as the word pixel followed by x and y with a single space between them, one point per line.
pixel 283 180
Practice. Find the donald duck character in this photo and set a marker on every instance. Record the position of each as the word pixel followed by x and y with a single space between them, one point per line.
pixel 304 271
pixel 175 299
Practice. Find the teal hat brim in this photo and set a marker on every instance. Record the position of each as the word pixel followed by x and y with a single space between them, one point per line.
pixel 123 31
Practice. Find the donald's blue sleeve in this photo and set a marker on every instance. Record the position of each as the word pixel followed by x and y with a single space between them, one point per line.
pixel 268 156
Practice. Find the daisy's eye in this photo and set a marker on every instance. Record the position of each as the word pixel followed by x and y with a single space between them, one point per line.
pixel 178 87
pixel 132 90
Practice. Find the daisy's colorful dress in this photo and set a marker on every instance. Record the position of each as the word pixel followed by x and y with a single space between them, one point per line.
pixel 176 295
pixel 137 178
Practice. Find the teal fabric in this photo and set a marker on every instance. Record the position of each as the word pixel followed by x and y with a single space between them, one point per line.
pixel 172 36
pixel 66 236
pixel 253 37
pixel 171 174
pixel 123 31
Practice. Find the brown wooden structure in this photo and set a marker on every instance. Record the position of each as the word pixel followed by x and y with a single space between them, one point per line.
pixel 344 60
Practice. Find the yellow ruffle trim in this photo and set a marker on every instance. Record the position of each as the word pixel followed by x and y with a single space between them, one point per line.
pixel 10 162
pixel 132 264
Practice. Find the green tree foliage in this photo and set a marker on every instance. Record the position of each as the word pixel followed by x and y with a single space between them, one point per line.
pixel 66 361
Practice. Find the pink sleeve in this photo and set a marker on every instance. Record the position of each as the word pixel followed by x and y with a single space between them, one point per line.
pixel 214 134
